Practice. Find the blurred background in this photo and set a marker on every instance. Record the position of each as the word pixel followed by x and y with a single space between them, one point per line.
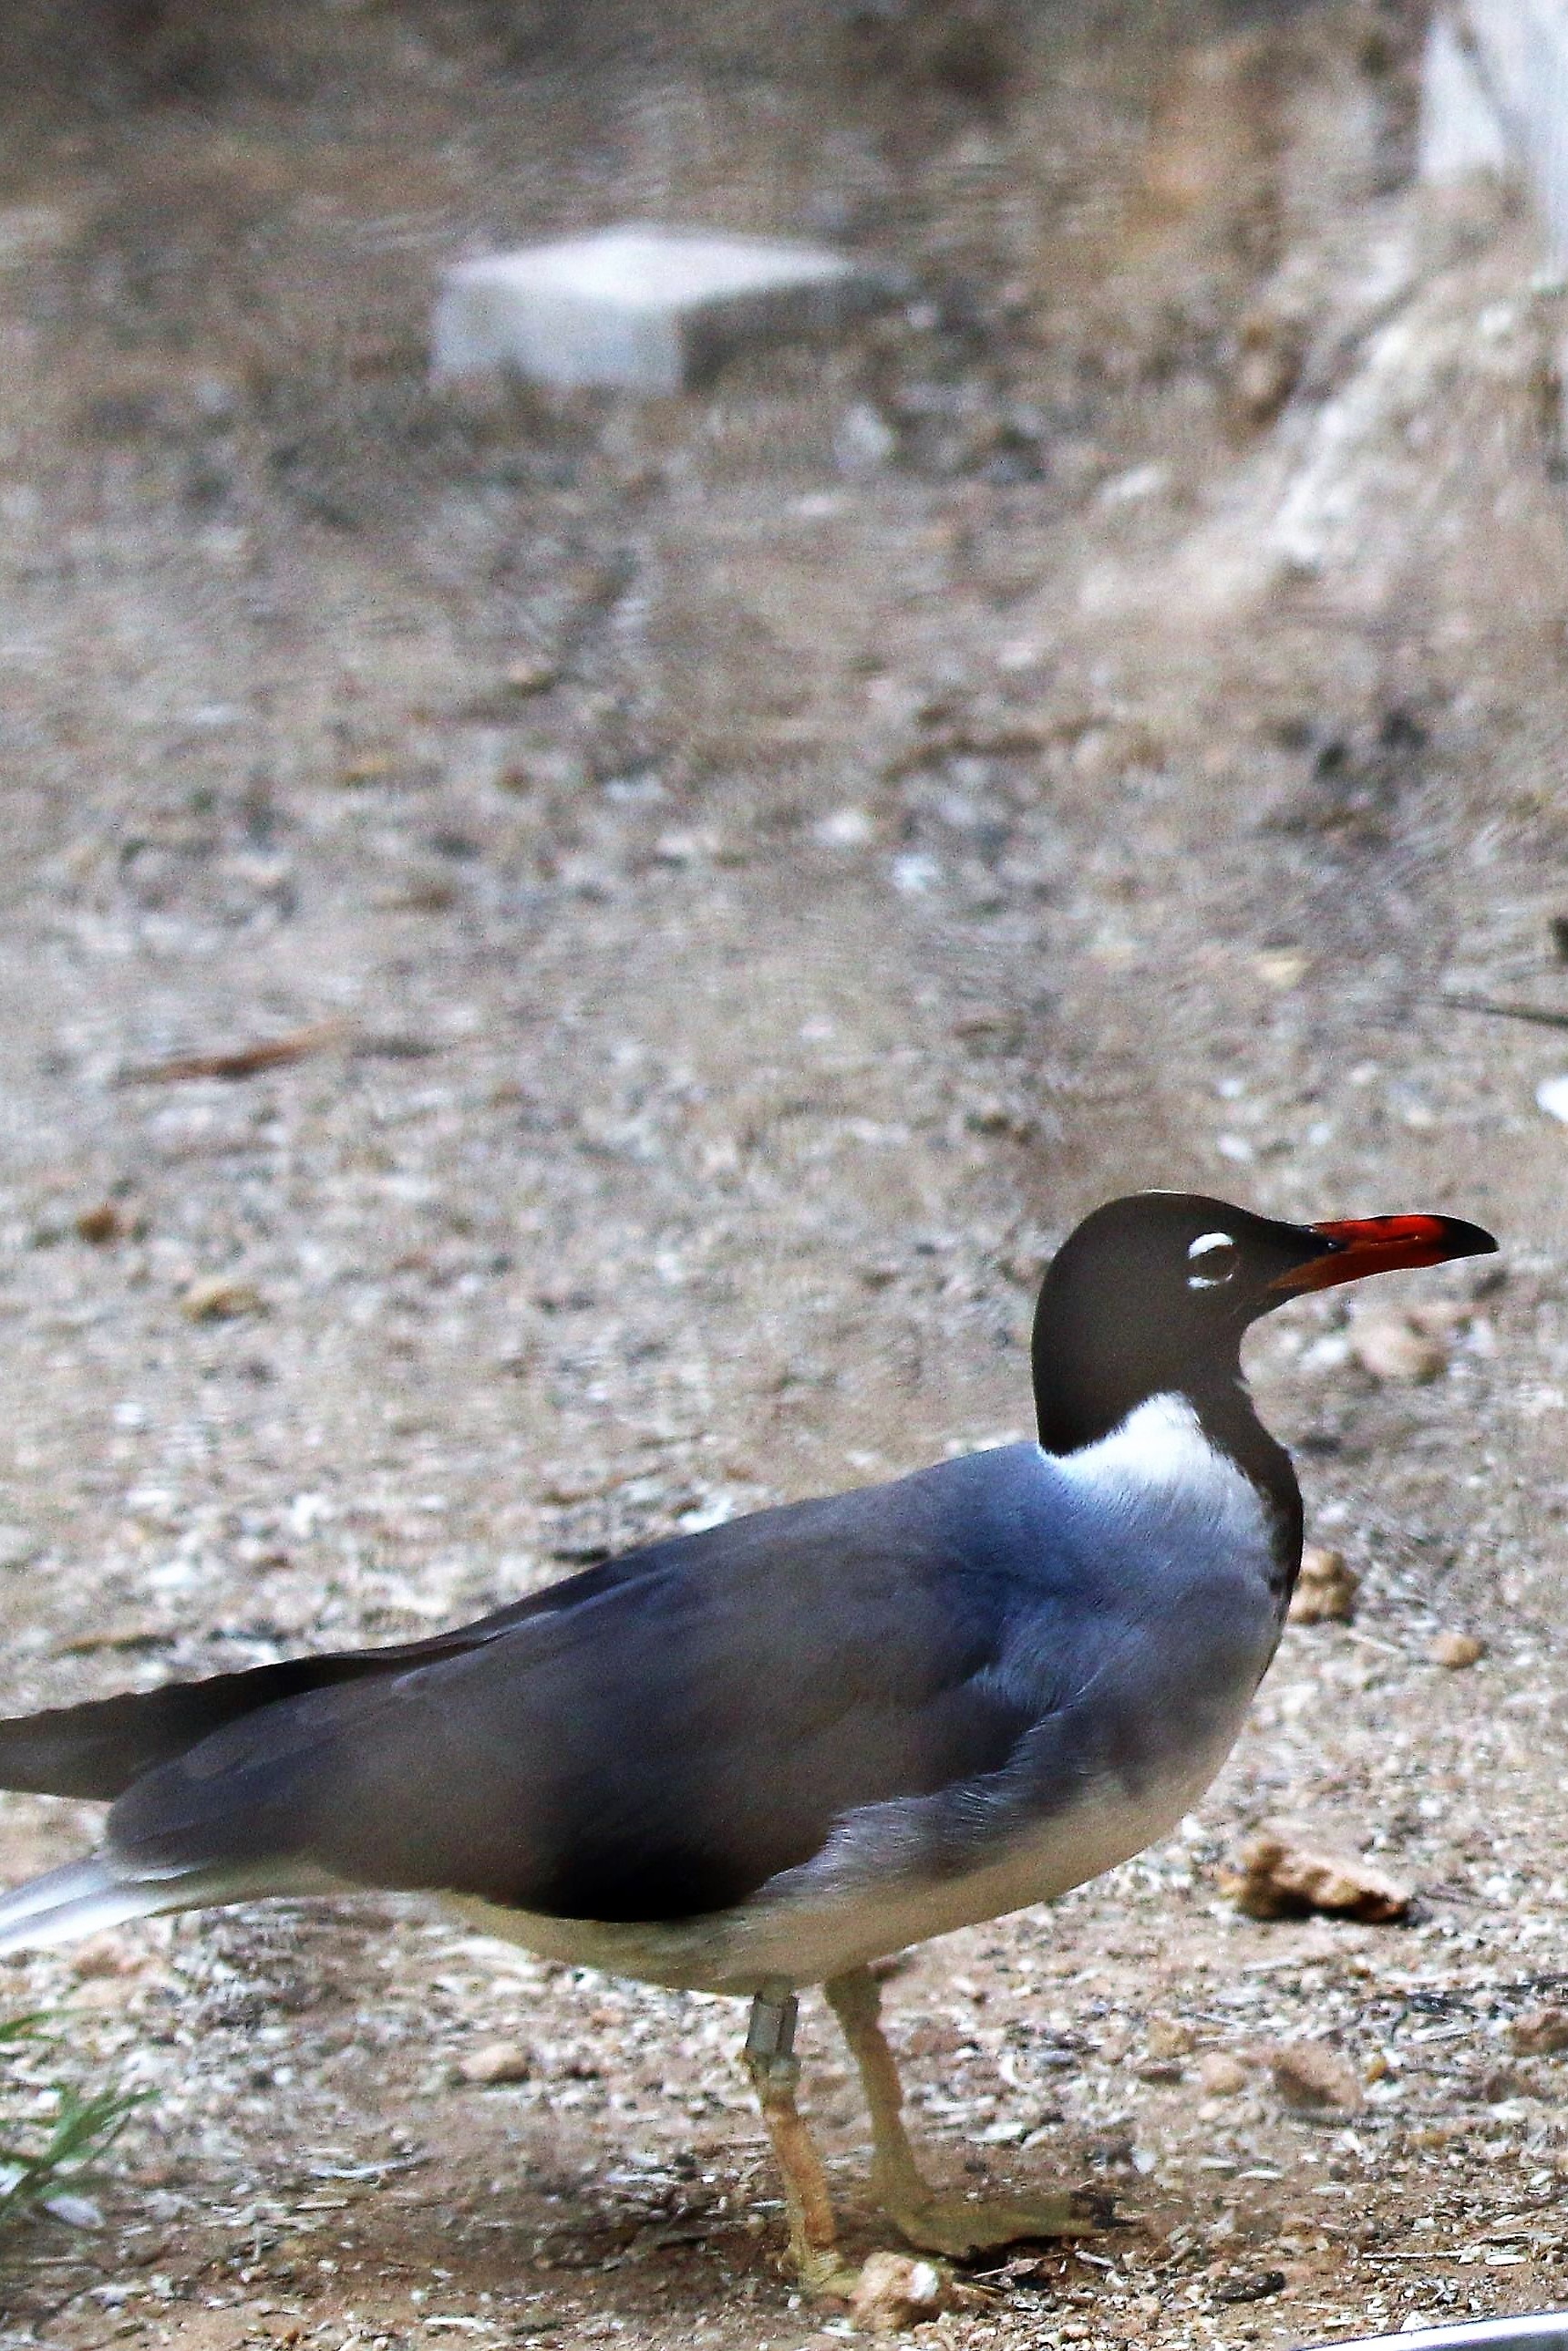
pixel 567 960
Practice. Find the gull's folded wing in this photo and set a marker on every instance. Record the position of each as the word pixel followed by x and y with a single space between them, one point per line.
pixel 653 1740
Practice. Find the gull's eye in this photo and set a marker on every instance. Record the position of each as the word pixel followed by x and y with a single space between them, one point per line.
pixel 1212 1259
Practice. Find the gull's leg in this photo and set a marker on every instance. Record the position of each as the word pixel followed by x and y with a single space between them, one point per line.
pixel 936 2224
pixel 776 2071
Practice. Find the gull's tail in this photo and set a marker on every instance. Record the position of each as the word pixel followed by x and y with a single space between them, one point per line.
pixel 82 1898
pixel 67 1905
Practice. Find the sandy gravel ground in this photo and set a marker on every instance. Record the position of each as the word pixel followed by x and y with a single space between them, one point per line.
pixel 752 874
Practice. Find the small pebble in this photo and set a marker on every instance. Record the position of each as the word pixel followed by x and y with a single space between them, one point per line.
pixel 497 2062
pixel 1250 2285
pixel 1310 2073
pixel 1168 2037
pixel 687 848
pixel 845 828
pixel 100 1224
pixel 863 440
pixel 1221 2076
pixel 530 675
pixel 1540 2033
pixel 220 1300
pixel 895 2291
pixel 1325 1590
pixel 1397 1348
pixel 103 1955
pixel 1457 1650
pixel 367 767
pixel 1130 488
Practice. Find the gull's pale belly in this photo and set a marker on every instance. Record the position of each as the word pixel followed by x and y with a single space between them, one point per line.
pixel 814 1931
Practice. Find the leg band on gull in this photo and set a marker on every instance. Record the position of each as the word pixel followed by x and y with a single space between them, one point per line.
pixel 772 2032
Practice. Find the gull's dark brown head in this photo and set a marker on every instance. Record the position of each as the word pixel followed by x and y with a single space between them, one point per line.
pixel 1152 1295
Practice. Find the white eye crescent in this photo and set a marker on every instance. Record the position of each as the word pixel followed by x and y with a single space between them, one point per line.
pixel 1212 1259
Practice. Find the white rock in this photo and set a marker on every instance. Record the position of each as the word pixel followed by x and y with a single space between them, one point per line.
pixel 644 309
pixel 863 440
pixel 914 873
pixel 1130 488
pixel 845 828
pixel 76 2212
pixel 1552 1096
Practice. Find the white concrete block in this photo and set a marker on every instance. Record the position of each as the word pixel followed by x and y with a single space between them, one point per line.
pixel 1462 131
pixel 1508 59
pixel 638 309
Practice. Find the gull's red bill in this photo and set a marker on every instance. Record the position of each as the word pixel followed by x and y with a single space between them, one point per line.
pixel 1356 1246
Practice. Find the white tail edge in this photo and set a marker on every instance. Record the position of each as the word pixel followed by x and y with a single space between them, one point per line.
pixel 82 1898
pixel 67 1905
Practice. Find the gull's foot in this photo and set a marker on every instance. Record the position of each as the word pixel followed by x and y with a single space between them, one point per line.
pixel 952 2225
pixel 825 2272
